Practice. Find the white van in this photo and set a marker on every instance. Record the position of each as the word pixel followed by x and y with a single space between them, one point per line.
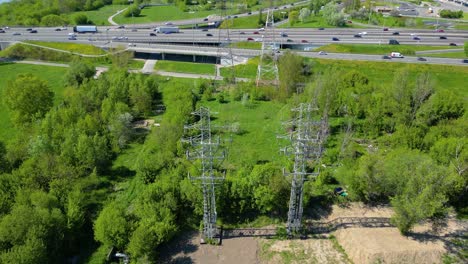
pixel 396 55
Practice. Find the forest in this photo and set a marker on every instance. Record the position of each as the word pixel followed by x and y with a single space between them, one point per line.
pixel 79 178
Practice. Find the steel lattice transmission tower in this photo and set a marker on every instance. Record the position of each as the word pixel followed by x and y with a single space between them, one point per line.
pixel 224 56
pixel 307 136
pixel 206 150
pixel 267 71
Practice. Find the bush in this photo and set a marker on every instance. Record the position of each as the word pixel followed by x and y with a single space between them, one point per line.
pixel 451 14
pixel 133 10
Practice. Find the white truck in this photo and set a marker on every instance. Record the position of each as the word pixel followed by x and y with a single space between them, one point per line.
pixel 167 30
pixel 396 55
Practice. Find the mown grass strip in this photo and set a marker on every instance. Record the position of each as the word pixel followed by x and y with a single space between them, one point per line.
pixel 185 67
pixel 378 49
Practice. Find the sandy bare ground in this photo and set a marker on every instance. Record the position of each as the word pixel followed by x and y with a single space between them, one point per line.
pixel 362 245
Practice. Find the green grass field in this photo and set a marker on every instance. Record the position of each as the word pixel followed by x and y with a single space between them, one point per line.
pixel 53 75
pixel 99 17
pixel 455 55
pixel 248 70
pixel 313 22
pixel 246 45
pixel 378 49
pixel 186 67
pixel 161 13
pixel 72 47
pixel 242 22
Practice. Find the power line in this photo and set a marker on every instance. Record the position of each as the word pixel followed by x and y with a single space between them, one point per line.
pixel 267 71
pixel 224 56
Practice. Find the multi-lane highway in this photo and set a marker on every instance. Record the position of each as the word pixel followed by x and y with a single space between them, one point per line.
pixel 291 36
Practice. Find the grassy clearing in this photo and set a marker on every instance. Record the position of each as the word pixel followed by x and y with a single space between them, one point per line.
pixel 455 55
pixel 99 17
pixel 242 22
pixel 186 67
pixel 247 45
pixel 445 77
pixel 72 47
pixel 312 22
pixel 259 123
pixel 378 49
pixel 248 70
pixel 53 75
pixel 162 13
pixel 461 26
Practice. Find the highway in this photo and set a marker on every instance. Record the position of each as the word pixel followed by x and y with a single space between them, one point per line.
pixel 310 36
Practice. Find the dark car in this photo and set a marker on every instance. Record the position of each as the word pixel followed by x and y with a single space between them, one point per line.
pixel 304 41
pixel 393 42
pixel 205 19
pixel 452 44
pixel 58 29
pixel 335 39
pixel 289 40
pixel 29 29
pixel 422 59
pixel 385 57
pixel 396 33
pixel 242 33
pixel 16 33
pixel 33 31
pixel 205 29
pixel 209 35
pixel 121 27
pixel 440 30
pixel 465 61
pixel 2 31
pixel 357 36
pixel 284 35
pixel 153 34
pixel 249 13
pixel 256 32
pixel 385 29
pixel 321 29
pixel 442 37
pixel 250 39
pixel 416 38
pixel 235 16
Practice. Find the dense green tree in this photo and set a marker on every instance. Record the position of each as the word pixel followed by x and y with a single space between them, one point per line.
pixel 289 67
pixel 112 226
pixel 81 19
pixel 52 20
pixel 28 97
pixel 78 72
pixel 132 11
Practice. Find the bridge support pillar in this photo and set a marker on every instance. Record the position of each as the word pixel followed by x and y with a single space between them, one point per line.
pixel 162 56
pixel 194 58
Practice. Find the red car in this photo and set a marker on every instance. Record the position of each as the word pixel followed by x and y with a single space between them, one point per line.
pixel 385 29
pixel 256 32
pixel 440 30
pixel 250 39
pixel 304 41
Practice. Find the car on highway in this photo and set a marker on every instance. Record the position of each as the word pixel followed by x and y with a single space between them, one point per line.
pixel 452 44
pixel 134 30
pixel 2 31
pixel 242 33
pixel 235 16
pixel 396 55
pixel 396 33
pixel 256 33
pixel 465 61
pixel 16 34
pixel 284 35
pixel 322 53
pixel 121 27
pixel 227 39
pixel 205 29
pixel 209 35
pixel 33 31
pixel 421 59
pixel 58 29
pixel 168 24
pixel 362 33
pixel 393 42
pixel 440 30
pixel 114 38
pixel 442 37
pixel 258 40
pixel 152 34
pixel 261 29
pixel 385 57
pixel 131 44
pixel 28 29
pixel 416 38
pixel 205 19
pixel 335 39
pixel 321 28
pixel 304 41
pixel 358 36
pixel 249 13
pixel 289 40
pixel 250 39
pixel 385 29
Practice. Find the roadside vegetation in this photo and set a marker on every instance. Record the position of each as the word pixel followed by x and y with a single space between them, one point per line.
pixel 246 45
pixel 453 55
pixel 185 67
pixel 378 49
pixel 85 49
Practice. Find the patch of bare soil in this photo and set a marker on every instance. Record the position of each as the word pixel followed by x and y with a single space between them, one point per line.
pixel 308 251
pixel 232 251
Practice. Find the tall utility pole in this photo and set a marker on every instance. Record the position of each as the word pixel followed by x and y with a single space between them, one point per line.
pixel 206 151
pixel 224 56
pixel 267 71
pixel 307 136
